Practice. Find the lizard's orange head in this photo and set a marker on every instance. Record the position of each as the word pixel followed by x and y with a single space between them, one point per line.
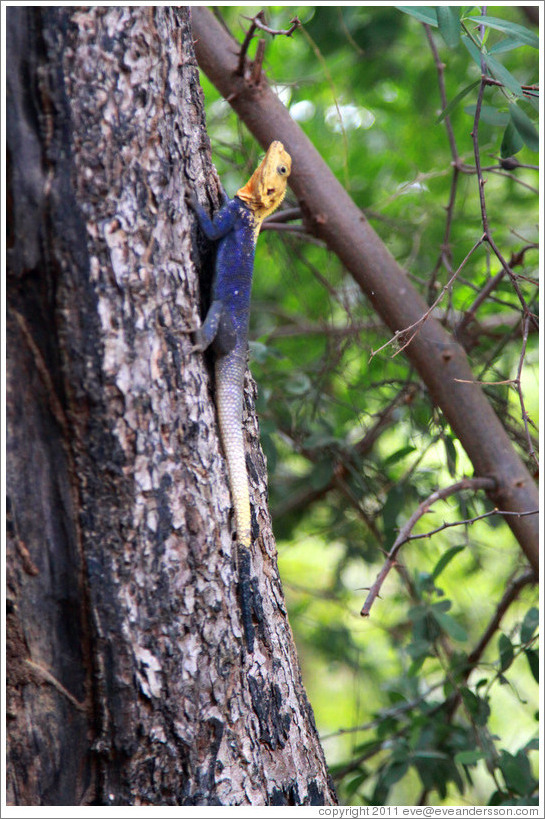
pixel 267 185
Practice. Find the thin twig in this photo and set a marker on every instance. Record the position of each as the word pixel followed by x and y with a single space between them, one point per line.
pixel 469 521
pixel 482 199
pixel 533 318
pixel 510 594
pixel 285 32
pixel 404 534
pixel 518 382
pixel 500 170
pixel 282 227
pixel 494 354
pixel 476 152
pixel 258 22
pixel 401 334
pixel 285 215
pixel 246 43
pixel 394 711
pixel 445 255
pixel 258 62
pixel 515 260
pixel 528 89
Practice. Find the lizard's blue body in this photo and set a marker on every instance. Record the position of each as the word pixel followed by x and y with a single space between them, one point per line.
pixel 236 227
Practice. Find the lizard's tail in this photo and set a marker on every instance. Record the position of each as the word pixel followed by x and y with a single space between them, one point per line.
pixel 229 395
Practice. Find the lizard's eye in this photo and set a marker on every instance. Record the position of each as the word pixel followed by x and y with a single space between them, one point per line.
pixel 282 170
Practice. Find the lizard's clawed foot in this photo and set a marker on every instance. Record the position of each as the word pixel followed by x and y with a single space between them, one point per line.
pixel 200 344
pixel 191 199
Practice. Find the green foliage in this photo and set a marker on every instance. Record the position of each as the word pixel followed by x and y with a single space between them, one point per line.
pixel 407 710
pixel 451 21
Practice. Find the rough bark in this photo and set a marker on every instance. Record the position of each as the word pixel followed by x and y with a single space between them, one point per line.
pixel 128 679
pixel 331 215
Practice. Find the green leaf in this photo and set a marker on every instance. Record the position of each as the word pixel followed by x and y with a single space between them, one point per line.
pixel 456 100
pixel 392 507
pixel 369 747
pixel 507 44
pixel 321 475
pixel 525 127
pixel 428 754
pixel 442 605
pixel 489 114
pixel 444 560
pixel 468 757
pixel 386 727
pixel 319 439
pixel 424 14
pixel 418 649
pixel 503 75
pixel 395 772
pixel 511 142
pixel 533 101
pixel 507 653
pixel 533 661
pixel 499 798
pixel 298 384
pixel 397 456
pixel 517 773
pixel 451 454
pixel 529 624
pixel 261 352
pixel 524 34
pixel 423 583
pixel 415 667
pixel 473 50
pixel 477 706
pixel 355 783
pixel 450 626
pixel 448 20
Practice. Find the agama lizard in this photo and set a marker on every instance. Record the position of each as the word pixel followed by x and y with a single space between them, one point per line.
pixel 236 227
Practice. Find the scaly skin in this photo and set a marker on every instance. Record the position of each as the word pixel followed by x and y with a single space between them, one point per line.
pixel 236 227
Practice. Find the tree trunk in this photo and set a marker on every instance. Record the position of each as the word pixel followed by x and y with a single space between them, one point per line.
pixel 128 679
